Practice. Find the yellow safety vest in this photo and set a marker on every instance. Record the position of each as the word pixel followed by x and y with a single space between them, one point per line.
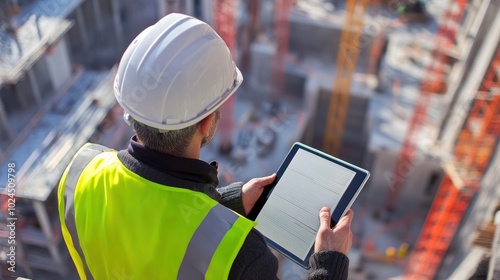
pixel 118 225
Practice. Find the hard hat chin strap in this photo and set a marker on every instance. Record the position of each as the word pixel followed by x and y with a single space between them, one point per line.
pixel 127 118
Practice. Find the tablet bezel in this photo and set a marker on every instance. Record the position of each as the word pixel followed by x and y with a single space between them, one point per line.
pixel 344 204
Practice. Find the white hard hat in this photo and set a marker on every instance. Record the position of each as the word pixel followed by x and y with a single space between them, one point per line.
pixel 175 73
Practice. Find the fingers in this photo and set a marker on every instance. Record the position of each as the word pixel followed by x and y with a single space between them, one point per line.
pixel 349 214
pixel 346 220
pixel 324 218
pixel 340 238
pixel 344 225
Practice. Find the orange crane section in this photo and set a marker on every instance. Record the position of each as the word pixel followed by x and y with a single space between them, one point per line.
pixel 439 227
pixel 347 59
pixel 473 151
pixel 434 82
pixel 225 25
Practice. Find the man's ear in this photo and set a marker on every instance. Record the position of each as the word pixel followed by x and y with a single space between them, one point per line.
pixel 206 124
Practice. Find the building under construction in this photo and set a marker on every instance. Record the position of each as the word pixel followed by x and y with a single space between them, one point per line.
pixel 409 90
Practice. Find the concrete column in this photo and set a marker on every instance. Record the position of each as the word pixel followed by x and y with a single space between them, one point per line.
pixel 82 27
pixel 208 11
pixel 34 87
pixel 46 226
pixel 59 65
pixel 98 15
pixel 162 8
pixel 494 268
pixel 115 6
pixel 189 7
pixel 4 122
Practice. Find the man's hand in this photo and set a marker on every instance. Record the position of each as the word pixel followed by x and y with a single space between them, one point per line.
pixel 252 190
pixel 337 239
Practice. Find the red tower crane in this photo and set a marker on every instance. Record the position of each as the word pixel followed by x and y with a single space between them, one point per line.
pixel 281 32
pixel 225 25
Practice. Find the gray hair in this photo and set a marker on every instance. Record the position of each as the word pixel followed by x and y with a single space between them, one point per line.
pixel 172 142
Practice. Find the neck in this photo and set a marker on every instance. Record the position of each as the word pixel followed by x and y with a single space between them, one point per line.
pixel 193 150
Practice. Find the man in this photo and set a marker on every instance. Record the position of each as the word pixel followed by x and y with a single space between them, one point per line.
pixel 154 211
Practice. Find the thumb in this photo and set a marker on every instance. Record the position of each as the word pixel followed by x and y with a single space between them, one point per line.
pixel 264 181
pixel 324 218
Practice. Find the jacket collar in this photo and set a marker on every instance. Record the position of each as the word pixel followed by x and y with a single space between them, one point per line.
pixel 193 170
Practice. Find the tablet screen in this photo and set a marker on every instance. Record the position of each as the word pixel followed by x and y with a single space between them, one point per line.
pixel 290 215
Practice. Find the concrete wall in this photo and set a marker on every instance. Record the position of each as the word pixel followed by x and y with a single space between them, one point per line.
pixel 75 41
pixel 42 75
pixel 260 66
pixel 89 13
pixel 295 80
pixel 416 192
pixel 354 138
pixel 321 39
pixel 207 11
pixel 261 77
pixel 58 64
pixel 24 92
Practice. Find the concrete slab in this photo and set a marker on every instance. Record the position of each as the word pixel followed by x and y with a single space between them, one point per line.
pixel 47 8
pixel 43 156
pixel 21 50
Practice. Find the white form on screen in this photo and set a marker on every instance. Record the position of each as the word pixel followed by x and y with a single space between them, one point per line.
pixel 290 215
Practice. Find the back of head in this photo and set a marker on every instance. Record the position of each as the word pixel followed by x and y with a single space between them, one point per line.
pixel 175 73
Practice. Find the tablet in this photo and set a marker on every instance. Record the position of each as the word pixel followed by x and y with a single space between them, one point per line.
pixel 308 179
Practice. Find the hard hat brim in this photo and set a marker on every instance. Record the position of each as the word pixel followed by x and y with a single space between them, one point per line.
pixel 238 80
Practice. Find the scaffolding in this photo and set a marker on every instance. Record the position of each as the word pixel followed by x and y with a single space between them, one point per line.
pixel 473 150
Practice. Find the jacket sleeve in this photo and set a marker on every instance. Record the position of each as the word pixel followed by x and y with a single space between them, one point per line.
pixel 329 265
pixel 231 197
pixel 256 261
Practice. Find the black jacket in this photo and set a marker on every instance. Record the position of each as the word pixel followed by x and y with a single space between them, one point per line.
pixel 255 260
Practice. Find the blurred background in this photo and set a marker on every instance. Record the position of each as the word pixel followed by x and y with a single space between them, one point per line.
pixel 406 89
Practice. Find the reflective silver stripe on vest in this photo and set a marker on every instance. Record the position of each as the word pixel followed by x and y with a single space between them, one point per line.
pixel 205 241
pixel 83 158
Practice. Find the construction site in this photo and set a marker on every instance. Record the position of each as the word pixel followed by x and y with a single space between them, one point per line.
pixel 408 90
